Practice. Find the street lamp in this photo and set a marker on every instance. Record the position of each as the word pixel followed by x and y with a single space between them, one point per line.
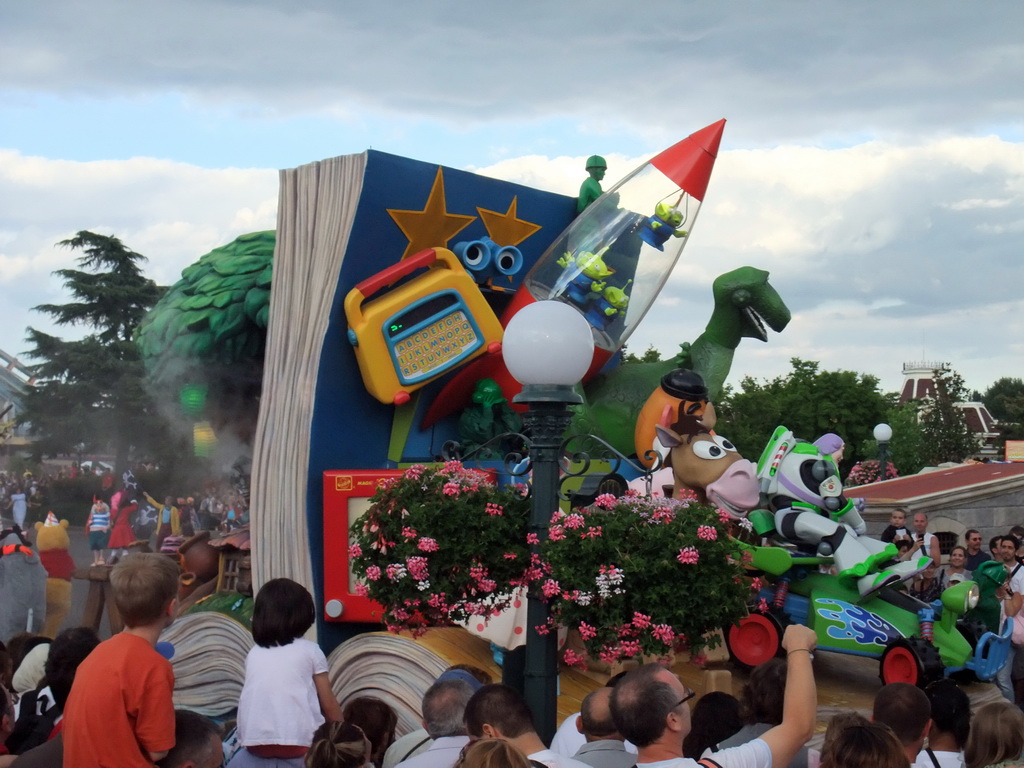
pixel 883 434
pixel 548 347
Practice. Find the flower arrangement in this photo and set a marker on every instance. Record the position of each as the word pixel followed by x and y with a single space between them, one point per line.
pixel 866 471
pixel 639 576
pixel 441 544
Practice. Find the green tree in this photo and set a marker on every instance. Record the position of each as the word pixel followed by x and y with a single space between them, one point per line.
pixel 1005 399
pixel 650 355
pixel 808 401
pixel 943 425
pixel 90 391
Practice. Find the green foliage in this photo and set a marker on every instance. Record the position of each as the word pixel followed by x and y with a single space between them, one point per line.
pixel 1005 401
pixel 650 355
pixel 943 425
pixel 808 401
pixel 210 332
pixel 643 577
pixel 441 544
pixel 90 392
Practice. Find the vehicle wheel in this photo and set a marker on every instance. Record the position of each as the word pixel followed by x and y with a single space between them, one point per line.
pixel 910 660
pixel 755 639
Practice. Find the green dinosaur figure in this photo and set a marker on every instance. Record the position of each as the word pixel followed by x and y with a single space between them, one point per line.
pixel 745 302
pixel 209 330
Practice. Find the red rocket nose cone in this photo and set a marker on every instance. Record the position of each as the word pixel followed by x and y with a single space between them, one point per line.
pixel 689 162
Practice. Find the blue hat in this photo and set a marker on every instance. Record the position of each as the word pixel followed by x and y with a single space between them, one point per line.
pixel 463 675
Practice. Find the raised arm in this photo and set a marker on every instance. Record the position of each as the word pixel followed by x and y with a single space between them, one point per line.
pixel 800 707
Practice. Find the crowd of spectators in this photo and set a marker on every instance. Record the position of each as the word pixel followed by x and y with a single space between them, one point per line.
pixel 77 701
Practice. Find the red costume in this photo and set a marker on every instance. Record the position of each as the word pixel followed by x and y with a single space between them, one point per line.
pixel 121 509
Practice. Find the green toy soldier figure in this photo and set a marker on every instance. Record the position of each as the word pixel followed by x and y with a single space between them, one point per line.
pixel 590 189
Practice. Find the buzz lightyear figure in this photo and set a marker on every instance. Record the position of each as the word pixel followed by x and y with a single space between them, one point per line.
pixel 802 487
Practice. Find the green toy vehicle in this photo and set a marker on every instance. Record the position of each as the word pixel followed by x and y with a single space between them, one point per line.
pixel 915 642
pixel 861 610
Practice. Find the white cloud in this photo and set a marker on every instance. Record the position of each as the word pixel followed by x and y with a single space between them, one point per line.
pixel 171 213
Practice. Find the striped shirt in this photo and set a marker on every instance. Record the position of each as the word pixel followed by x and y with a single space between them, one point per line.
pixel 100 518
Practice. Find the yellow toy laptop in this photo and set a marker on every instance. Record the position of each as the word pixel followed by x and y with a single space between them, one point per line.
pixel 406 336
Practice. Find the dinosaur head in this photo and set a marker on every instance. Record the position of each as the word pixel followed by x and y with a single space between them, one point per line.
pixel 745 302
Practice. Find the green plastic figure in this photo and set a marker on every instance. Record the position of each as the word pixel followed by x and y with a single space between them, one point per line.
pixel 591 278
pixel 489 416
pixel 665 223
pixel 590 189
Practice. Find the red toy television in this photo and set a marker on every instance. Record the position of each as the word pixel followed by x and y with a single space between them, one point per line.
pixel 346 498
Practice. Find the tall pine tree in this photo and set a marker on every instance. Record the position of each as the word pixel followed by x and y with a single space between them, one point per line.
pixel 90 392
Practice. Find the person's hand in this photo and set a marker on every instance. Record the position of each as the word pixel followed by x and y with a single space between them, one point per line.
pixel 799 638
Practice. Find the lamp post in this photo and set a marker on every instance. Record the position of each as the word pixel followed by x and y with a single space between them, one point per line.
pixel 548 347
pixel 883 434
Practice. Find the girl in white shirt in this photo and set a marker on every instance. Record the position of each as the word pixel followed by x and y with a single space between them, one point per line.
pixel 286 695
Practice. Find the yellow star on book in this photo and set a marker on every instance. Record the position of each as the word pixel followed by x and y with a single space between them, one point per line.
pixel 432 227
pixel 507 228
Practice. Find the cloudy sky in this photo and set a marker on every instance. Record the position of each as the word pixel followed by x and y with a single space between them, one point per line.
pixel 873 159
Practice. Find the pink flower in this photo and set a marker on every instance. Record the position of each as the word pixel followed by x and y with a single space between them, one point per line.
pixel 664 633
pixel 688 556
pixel 587 631
pixel 361 590
pixel 629 648
pixel 531 538
pixel 762 606
pixel 426 544
pixel 574 659
pixel 707 532
pixel 409 533
pixel 418 568
pixel 451 488
pixel 494 509
pixel 724 516
pixel 509 556
pixel 605 501
pixel 451 467
pixel 557 533
pixel 632 493
pixel 756 584
pixel 641 620
pixel 550 588
pixel 355 551
pixel 592 533
pixel 373 573
pixel 610 654
pixel 574 521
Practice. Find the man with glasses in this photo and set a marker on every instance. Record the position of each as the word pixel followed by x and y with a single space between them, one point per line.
pixel 650 709
pixel 975 555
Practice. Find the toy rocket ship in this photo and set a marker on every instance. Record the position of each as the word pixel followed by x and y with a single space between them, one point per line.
pixel 612 261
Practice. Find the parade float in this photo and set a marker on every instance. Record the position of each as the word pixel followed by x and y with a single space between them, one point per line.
pixel 372 325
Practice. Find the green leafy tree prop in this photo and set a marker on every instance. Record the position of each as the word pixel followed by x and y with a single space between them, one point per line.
pixel 943 425
pixel 91 391
pixel 203 342
pixel 640 576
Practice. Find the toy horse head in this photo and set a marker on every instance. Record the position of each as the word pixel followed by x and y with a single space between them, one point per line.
pixel 710 466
